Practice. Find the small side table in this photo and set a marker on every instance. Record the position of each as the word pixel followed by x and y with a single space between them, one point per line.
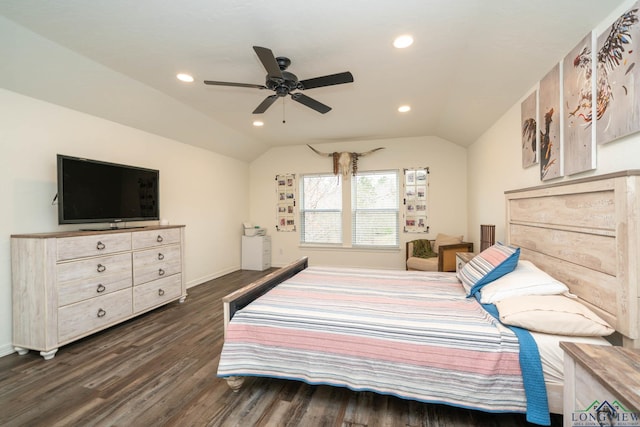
pixel 462 258
pixel 601 383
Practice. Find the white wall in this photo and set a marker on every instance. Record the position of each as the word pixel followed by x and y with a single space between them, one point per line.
pixel 205 191
pixel 495 167
pixel 447 193
pixel 495 163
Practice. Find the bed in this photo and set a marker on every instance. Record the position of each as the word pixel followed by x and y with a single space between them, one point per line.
pixel 583 232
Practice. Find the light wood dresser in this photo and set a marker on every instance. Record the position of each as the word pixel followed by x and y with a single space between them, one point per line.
pixel 68 285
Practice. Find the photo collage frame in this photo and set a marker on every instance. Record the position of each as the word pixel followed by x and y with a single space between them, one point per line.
pixel 416 187
pixel 286 202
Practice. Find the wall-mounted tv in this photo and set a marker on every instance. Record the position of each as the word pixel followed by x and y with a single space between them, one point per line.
pixel 91 191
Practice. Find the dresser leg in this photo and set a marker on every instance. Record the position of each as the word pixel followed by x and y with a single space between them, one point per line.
pixel 48 355
pixel 21 351
pixel 182 298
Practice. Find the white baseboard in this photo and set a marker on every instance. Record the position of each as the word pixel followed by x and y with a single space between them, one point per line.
pixel 201 280
pixel 6 349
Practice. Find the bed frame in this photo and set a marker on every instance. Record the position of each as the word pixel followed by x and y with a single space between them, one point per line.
pixel 240 298
pixel 586 234
pixel 583 232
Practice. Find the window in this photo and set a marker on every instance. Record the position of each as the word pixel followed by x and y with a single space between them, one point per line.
pixel 375 209
pixel 321 209
pixel 363 214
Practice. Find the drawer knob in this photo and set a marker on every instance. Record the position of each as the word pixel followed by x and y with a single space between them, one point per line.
pixel 101 313
pixel 160 292
pixel 100 246
pixel 160 257
pixel 101 268
pixel 159 239
pixel 160 272
pixel 101 288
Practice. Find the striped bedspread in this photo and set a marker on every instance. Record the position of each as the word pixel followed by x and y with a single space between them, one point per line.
pixel 408 334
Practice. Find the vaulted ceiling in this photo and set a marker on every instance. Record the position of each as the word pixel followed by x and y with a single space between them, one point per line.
pixel 118 59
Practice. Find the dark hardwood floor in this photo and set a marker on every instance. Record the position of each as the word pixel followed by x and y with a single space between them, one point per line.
pixel 160 370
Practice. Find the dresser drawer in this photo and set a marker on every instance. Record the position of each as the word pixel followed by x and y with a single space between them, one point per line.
pixel 93 245
pixel 157 292
pixel 156 263
pixel 94 268
pixel 151 238
pixel 79 319
pixel 71 292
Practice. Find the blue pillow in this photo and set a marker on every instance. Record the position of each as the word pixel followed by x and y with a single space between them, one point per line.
pixel 487 266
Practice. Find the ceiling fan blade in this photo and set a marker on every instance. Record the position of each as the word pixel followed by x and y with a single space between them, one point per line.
pixel 211 82
pixel 332 79
pixel 310 102
pixel 269 62
pixel 265 104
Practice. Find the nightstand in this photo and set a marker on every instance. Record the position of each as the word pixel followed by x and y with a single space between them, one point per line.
pixel 462 258
pixel 601 384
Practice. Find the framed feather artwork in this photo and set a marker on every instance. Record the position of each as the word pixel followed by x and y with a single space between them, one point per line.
pixel 618 78
pixel 529 130
pixel 549 126
pixel 578 141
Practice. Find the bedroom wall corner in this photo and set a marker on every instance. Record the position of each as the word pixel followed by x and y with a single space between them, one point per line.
pixel 198 188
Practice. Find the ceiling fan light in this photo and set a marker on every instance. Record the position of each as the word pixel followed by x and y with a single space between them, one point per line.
pixel 403 41
pixel 183 77
pixel 404 108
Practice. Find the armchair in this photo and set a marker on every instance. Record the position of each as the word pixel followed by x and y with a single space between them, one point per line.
pixel 444 248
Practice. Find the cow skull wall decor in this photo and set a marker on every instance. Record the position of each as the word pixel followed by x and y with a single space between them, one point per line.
pixel 345 162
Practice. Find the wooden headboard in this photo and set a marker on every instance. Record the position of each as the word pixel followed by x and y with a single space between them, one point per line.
pixel 586 233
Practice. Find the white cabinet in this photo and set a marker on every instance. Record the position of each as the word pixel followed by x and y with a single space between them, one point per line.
pixel 68 285
pixel 256 252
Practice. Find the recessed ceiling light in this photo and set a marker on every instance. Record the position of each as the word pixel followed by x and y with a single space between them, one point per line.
pixel 185 77
pixel 403 41
pixel 404 108
pixel 258 123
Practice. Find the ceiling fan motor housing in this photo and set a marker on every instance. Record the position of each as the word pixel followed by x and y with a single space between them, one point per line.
pixel 282 87
pixel 283 82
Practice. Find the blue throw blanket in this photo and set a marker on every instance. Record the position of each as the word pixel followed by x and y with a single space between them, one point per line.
pixel 532 377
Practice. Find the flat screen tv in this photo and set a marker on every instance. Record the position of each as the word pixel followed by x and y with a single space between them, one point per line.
pixel 92 191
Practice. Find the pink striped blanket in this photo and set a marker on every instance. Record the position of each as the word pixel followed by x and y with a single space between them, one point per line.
pixel 410 334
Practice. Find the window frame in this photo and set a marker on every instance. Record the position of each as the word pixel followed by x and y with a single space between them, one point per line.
pixel 348 212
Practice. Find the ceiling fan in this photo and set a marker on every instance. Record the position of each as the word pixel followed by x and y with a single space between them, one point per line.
pixel 283 82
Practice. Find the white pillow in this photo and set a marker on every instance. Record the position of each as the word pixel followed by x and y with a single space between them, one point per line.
pixel 552 314
pixel 525 279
